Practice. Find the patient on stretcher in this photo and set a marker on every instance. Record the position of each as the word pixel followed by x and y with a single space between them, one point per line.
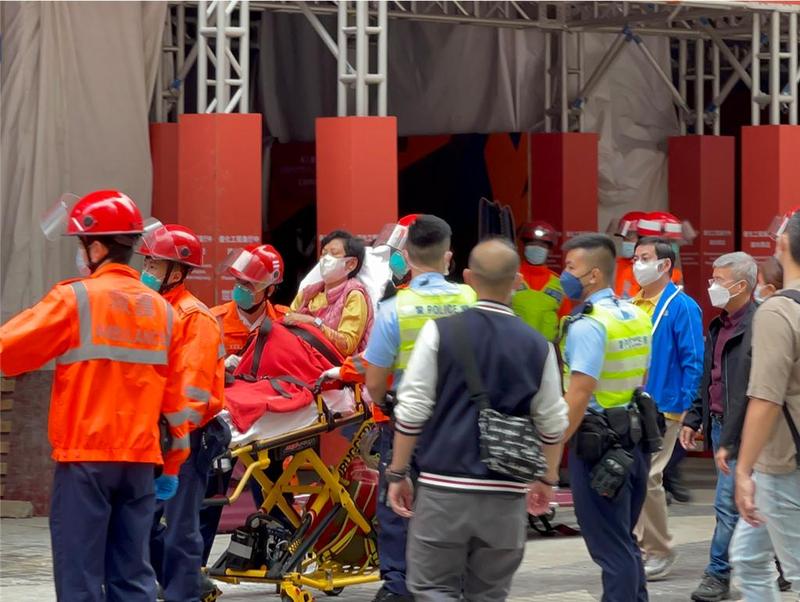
pixel 339 305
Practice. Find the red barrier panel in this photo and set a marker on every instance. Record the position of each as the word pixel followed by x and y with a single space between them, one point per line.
pixel 564 184
pixel 219 191
pixel 701 190
pixel 356 174
pixel 770 181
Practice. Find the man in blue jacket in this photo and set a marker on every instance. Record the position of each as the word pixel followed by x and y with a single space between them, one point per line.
pixel 673 380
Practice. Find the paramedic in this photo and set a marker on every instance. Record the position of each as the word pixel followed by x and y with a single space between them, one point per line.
pixel 176 545
pixel 257 271
pixel 397 325
pixel 540 300
pixel 116 360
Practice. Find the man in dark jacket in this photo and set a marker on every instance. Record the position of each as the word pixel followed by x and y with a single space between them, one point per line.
pixel 722 394
pixel 467 535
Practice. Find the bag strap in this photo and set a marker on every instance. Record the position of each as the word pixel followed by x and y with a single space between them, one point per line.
pixel 466 357
pixel 314 341
pixel 794 295
pixel 261 341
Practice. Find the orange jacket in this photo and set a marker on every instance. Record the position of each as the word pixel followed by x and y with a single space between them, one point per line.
pixel 201 357
pixel 116 354
pixel 625 285
pixel 234 331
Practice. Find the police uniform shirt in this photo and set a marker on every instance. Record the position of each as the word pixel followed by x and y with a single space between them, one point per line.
pixel 384 341
pixel 586 338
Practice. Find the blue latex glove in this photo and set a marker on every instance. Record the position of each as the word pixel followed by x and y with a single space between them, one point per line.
pixel 166 487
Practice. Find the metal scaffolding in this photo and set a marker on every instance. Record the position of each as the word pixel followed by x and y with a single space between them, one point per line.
pixel 754 43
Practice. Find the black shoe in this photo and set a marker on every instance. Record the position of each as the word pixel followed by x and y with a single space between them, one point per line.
pixel 680 493
pixel 160 593
pixel 711 589
pixel 384 595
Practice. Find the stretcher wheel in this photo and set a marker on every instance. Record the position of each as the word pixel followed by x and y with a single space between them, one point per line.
pixel 334 592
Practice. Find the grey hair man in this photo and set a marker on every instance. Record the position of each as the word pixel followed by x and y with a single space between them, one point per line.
pixel 723 394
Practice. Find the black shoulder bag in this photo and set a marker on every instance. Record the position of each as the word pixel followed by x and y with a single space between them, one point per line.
pixel 510 445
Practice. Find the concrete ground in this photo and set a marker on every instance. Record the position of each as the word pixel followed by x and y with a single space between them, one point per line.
pixel 554 569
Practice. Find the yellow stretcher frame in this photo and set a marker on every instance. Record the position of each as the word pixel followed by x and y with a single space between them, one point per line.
pixel 322 573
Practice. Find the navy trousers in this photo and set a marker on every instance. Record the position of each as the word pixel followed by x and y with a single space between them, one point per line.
pixel 607 528
pixel 392 528
pixel 100 518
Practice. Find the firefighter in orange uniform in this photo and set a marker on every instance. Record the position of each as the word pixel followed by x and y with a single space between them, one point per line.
pixel 176 545
pixel 116 352
pixel 257 270
pixel 540 302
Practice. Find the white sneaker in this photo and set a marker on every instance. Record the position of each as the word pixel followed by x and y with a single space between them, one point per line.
pixel 656 568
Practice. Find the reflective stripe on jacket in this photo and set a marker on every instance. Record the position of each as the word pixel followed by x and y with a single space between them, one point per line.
pixel 416 307
pixel 201 358
pixel 626 358
pixel 234 332
pixel 115 351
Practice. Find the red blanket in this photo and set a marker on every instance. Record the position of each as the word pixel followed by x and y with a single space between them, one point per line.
pixel 283 354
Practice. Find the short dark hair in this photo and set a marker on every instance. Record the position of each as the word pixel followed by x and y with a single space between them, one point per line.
pixel 771 272
pixel 599 244
pixel 793 232
pixel 663 248
pixel 118 252
pixel 428 239
pixel 353 247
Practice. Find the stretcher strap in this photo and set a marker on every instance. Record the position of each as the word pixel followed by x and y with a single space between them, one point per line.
pixel 261 341
pixel 317 344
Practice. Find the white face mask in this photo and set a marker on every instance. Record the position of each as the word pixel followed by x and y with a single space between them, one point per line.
pixel 647 272
pixel 333 268
pixel 720 295
pixel 82 264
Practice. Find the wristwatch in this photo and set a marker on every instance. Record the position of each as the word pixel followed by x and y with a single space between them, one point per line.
pixel 318 322
pixel 394 476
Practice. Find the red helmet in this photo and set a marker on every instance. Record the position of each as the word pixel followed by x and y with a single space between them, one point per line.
pixel 104 212
pixel 650 224
pixel 173 243
pixel 396 235
pixel 671 226
pixel 538 231
pixel 625 225
pixel 779 223
pixel 261 265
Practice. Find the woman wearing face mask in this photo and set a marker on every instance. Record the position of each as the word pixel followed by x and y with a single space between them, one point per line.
pixel 257 270
pixel 339 305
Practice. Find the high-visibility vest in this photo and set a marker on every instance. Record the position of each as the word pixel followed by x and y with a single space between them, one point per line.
pixel 116 353
pixel 416 307
pixel 627 354
pixel 539 308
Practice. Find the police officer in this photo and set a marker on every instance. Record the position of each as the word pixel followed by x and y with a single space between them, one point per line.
pixel 399 320
pixel 540 301
pixel 176 545
pixel 605 349
pixel 116 357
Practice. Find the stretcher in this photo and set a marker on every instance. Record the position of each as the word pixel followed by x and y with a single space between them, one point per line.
pixel 329 542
